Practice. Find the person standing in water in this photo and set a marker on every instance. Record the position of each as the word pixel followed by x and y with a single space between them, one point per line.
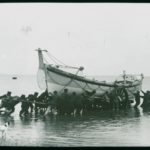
pixel 146 99
pixel 137 98
pixel 24 106
pixel 62 102
pixel 53 99
pixel 32 98
pixel 5 99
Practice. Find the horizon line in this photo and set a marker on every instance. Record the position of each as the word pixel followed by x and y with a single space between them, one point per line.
pixel 36 74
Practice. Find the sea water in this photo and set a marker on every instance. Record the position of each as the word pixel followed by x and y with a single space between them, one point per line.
pixel 96 128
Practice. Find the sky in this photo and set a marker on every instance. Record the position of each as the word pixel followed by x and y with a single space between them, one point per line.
pixel 105 38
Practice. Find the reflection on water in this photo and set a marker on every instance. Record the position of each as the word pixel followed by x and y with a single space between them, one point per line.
pixel 98 128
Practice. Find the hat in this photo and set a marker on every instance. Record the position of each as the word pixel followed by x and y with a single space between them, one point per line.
pixel 65 90
pixel 23 96
pixel 55 92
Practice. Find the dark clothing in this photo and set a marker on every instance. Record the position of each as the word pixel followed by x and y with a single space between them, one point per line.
pixel 61 105
pixel 146 99
pixel 53 100
pixel 3 96
pixel 137 99
pixel 31 99
pixel 24 106
pixel 111 97
pixel 40 102
pixel 79 103
pixel 5 100
pixel 43 95
pixel 125 102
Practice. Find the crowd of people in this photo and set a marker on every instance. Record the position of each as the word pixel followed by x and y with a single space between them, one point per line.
pixel 66 103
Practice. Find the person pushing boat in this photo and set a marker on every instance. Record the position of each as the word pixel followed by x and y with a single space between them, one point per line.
pixel 5 99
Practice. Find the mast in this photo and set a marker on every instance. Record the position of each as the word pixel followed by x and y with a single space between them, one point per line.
pixel 42 65
pixel 41 62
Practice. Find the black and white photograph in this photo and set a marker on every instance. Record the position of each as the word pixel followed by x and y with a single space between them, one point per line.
pixel 74 74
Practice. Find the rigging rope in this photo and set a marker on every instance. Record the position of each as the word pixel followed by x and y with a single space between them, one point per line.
pixel 54 58
pixel 51 59
pixel 56 62
pixel 69 81
pixel 60 63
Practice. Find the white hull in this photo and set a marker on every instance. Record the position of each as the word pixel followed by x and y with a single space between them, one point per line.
pixel 52 78
pixel 57 82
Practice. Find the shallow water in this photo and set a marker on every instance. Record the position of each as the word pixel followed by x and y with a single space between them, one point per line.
pixel 98 128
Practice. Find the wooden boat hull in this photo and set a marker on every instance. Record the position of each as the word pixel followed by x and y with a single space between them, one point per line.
pixel 53 78
pixel 58 82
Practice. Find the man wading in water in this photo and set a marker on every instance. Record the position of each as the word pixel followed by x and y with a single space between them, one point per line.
pixel 62 107
pixel 24 106
pixel 137 98
pixel 5 99
pixel 146 99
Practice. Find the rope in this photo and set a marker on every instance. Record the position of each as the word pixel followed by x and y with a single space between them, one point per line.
pixel 61 84
pixel 80 86
pixel 60 62
pixel 55 80
pixel 89 86
pixel 29 101
pixel 54 58
pixel 69 82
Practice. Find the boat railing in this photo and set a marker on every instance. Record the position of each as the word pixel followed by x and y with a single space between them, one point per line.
pixel 130 77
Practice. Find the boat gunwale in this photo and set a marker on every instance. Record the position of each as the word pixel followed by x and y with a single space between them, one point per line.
pixel 82 79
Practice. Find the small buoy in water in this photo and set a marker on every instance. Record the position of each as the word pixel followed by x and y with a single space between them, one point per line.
pixel 14 78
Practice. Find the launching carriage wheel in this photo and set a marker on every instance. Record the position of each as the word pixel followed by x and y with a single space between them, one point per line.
pixel 122 95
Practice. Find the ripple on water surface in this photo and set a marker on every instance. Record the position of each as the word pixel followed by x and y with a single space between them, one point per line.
pixel 103 128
